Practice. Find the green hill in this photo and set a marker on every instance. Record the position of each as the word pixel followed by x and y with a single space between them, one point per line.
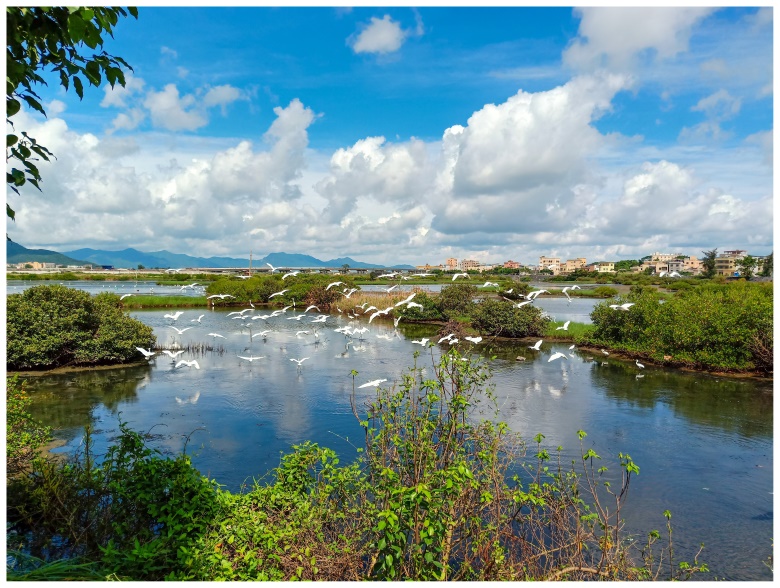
pixel 16 253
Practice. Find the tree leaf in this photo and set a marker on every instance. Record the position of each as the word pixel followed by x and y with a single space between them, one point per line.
pixel 12 106
pixel 79 86
pixel 10 140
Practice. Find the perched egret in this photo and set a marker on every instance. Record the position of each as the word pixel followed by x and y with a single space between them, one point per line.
pixel 639 365
pixel 605 352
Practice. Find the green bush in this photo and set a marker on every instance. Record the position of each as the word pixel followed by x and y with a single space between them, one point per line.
pixel 457 299
pixel 429 312
pixel 502 318
pixel 712 326
pixel 53 326
pixel 23 435
pixel 605 292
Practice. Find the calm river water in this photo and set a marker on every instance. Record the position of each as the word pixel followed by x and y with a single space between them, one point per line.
pixel 703 444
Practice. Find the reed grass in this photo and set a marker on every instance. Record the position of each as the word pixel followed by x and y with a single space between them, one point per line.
pixel 152 301
pixel 574 332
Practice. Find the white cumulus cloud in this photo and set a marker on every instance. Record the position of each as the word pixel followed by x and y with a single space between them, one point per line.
pixel 381 35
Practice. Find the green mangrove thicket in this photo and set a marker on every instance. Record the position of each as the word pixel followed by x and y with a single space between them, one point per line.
pixel 55 326
pixel 713 326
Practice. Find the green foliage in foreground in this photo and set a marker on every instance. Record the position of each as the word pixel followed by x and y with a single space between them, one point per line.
pixel 54 326
pixel 23 435
pixel 717 327
pixel 435 495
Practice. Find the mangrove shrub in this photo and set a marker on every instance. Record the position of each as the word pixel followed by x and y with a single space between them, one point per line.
pixel 504 319
pixel 54 326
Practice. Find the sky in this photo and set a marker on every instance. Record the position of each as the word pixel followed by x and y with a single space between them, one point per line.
pixel 411 135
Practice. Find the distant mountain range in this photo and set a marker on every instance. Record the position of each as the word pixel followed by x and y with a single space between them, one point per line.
pixel 131 258
pixel 15 253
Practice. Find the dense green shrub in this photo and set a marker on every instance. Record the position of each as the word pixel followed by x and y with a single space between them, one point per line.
pixel 23 435
pixel 504 319
pixel 724 327
pixel 429 312
pixel 456 299
pixel 605 292
pixel 53 326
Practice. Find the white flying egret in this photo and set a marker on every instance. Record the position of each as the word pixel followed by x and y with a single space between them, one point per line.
pixel 321 319
pixel 215 335
pixel 171 354
pixel 278 293
pixel 373 383
pixel 413 305
pixel 123 296
pixel 299 333
pixel 624 306
pixel 299 361
pixel 263 334
pixel 147 353
pixel 180 331
pixel 197 320
pixel 192 363
pixel 329 286
pixel 174 316
pixel 523 303
pixel 473 339
pixel 388 337
pixel 290 274
pixel 488 285
pixel 220 296
pixel 273 269
pixel 565 326
pixel 556 355
pixel 250 358
pixel 391 288
pixel 349 293
pixel 536 346
pixel 310 307
pixel 456 276
pixel 407 300
pixel 423 342
pixel 297 317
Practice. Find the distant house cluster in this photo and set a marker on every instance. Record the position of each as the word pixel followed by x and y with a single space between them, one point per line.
pixel 726 264
pixel 40 265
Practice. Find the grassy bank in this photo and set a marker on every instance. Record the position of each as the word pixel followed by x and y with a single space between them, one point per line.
pixel 151 301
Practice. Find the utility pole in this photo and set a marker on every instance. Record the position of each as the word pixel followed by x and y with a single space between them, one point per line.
pixel 250 262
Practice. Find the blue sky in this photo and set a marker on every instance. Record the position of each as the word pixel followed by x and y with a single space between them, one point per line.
pixel 411 135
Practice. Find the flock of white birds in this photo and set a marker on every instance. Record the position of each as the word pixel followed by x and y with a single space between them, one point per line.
pixel 247 318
